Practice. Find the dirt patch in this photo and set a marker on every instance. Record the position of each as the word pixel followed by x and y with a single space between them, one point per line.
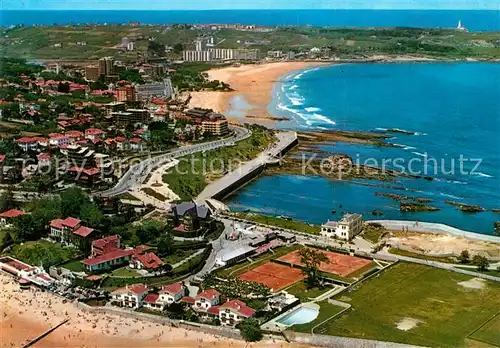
pixel 406 324
pixel 474 283
pixel 442 244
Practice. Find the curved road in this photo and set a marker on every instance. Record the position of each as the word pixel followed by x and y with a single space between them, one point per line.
pixel 139 171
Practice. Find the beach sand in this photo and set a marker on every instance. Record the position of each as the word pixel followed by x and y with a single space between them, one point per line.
pixel 253 83
pixel 26 314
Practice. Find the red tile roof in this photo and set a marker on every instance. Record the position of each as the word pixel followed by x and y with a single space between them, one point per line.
pixel 136 140
pixel 151 298
pixel 71 222
pixel 44 156
pixel 149 260
pixel 74 133
pixel 93 131
pixel 134 288
pixel 213 310
pixel 119 253
pixel 12 213
pixel 172 289
pixel 209 294
pixel 100 243
pixel 120 139
pixel 188 299
pixel 2 157
pixel 83 231
pixel 239 307
pixel 94 277
pixel 25 140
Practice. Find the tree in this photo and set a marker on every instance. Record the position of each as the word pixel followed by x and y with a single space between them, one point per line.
pixel 7 200
pixel 178 48
pixel 165 244
pixel 72 200
pixel 311 259
pixel 464 257
pixel 481 262
pixel 91 215
pixel 250 330
pixel 25 228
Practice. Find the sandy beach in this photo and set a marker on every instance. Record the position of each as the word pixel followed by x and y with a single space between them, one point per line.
pixel 26 314
pixel 253 83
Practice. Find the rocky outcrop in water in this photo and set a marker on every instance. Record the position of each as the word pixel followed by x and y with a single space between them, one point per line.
pixel 406 207
pixel 466 208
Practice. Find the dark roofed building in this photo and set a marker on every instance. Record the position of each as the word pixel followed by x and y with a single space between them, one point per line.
pixel 188 217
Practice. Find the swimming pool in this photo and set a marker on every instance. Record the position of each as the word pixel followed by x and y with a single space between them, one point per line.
pixel 301 315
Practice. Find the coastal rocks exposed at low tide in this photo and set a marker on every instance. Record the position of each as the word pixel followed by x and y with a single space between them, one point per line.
pixel 406 207
pixel 403 197
pixel 466 208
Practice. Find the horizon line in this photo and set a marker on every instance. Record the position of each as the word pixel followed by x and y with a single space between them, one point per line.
pixel 262 9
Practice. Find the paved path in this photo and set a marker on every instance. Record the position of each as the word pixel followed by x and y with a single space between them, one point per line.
pixel 285 139
pixel 178 264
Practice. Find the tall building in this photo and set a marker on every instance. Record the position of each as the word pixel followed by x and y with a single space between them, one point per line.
pixel 80 157
pixel 106 66
pixel 196 56
pixel 246 54
pixel 92 72
pixel 131 116
pixel 221 53
pixel 125 94
pixel 215 124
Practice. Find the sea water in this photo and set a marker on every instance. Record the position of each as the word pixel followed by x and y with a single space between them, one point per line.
pixel 452 111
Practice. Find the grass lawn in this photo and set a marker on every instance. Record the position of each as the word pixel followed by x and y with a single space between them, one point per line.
pixel 74 266
pixel 153 193
pixel 446 311
pixel 423 257
pixel 326 310
pixel 245 266
pixel 42 252
pixel 489 332
pixel 178 256
pixel 279 222
pixel 493 273
pixel 301 291
pixel 373 234
pixel 125 272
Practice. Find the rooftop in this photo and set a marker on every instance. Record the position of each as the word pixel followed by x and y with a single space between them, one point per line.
pixel 134 288
pixel 209 294
pixel 12 213
pixel 172 288
pixel 116 254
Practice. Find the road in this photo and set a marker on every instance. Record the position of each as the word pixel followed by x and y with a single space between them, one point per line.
pixel 138 172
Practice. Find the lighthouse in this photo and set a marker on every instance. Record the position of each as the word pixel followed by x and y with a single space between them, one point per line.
pixel 460 26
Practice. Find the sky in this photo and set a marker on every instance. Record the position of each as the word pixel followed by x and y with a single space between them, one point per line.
pixel 246 4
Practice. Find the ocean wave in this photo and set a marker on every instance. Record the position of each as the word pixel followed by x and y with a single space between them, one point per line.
pixel 312 109
pixel 420 154
pixel 458 182
pixel 405 147
pixel 299 76
pixel 381 129
pixel 449 196
pixel 483 175
pixel 293 87
pixel 295 113
pixel 324 119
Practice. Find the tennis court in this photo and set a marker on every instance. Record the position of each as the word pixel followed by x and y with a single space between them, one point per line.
pixel 273 275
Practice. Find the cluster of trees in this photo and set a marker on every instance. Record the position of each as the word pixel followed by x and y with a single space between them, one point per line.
pixel 191 77
pixel 481 262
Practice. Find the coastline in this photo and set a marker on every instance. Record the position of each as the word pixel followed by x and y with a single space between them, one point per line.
pixel 26 314
pixel 253 89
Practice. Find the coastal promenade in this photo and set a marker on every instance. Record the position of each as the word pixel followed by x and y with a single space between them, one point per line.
pixel 430 227
pixel 236 178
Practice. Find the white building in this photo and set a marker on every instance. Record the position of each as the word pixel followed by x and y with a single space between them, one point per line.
pixel 233 312
pixel 172 293
pixel 346 228
pixel 206 299
pixel 130 295
pixel 246 54
pixel 222 53
pixel 196 56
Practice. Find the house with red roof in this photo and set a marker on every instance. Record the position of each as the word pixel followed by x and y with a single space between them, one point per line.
pixel 148 261
pixel 131 296
pixel 122 143
pixel 105 245
pixel 112 259
pixel 8 216
pixel 233 312
pixel 74 136
pixel 58 140
pixel 94 133
pixel 137 144
pixel 70 231
pixel 43 159
pixel 152 301
pixel 172 293
pixel 206 299
pixel 27 144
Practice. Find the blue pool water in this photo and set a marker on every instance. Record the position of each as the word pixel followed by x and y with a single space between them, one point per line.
pixel 301 315
pixel 453 109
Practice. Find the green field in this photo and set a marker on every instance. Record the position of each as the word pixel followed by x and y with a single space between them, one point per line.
pixel 326 310
pixel 303 293
pixel 445 311
pixel 74 266
pixel 489 332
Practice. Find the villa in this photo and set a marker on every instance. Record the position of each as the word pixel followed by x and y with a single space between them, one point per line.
pixel 233 312
pixel 346 228
pixel 130 295
pixel 172 293
pixel 8 216
pixel 206 299
pixel 70 231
